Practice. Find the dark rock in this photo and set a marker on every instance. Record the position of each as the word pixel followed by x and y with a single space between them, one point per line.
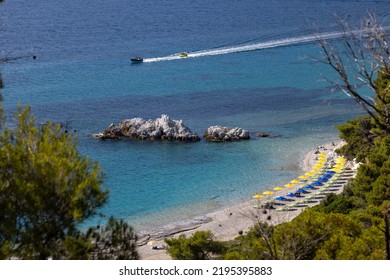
pixel 263 134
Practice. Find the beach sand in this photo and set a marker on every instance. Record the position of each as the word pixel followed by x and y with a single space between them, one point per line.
pixel 229 223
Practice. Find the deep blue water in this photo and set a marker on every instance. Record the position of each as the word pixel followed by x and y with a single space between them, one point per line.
pixel 83 75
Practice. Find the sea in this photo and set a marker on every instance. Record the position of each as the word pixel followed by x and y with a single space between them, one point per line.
pixel 252 64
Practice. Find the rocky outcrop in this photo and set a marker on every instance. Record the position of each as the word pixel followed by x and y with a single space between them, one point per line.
pixel 224 134
pixel 111 132
pixel 163 128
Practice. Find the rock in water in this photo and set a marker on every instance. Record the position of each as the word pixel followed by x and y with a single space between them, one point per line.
pixel 163 128
pixel 263 134
pixel 223 134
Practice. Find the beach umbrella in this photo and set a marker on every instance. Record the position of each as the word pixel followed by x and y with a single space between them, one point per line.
pixel 289 185
pixel 290 194
pixel 281 198
pixel 301 191
pixel 338 170
pixel 330 172
pixel 316 183
pixel 322 180
pixel 267 192
pixel 278 188
pixel 258 197
pixel 294 181
pixel 303 177
pixel 309 187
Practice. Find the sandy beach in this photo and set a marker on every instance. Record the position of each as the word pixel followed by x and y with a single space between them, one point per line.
pixel 228 223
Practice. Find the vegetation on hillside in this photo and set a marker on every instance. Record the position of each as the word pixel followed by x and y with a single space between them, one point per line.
pixel 47 190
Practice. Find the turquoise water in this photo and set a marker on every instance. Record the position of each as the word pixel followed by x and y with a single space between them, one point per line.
pixel 83 76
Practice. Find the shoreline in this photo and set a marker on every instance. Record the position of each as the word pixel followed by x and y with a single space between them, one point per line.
pixel 228 223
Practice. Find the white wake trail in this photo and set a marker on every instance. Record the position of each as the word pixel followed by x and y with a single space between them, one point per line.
pixel 255 46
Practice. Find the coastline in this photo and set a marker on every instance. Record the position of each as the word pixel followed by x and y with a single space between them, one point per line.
pixel 228 223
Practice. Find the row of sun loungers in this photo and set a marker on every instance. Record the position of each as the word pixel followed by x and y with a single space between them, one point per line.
pixel 328 177
pixel 335 184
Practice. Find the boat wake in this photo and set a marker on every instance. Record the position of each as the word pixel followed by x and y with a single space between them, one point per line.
pixel 251 47
pixel 255 46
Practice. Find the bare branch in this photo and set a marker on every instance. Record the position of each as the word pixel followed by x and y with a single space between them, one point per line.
pixel 365 53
